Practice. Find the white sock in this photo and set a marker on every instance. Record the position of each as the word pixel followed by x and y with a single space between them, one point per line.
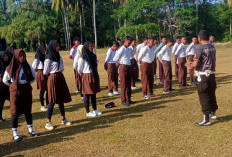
pixel 30 128
pixel 15 131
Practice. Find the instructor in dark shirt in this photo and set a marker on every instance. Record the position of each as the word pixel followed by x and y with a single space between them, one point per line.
pixel 205 63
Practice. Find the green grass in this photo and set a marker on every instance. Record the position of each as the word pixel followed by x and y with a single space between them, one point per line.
pixel 161 126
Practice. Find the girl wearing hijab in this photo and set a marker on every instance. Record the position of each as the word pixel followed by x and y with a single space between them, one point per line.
pixel 41 80
pixel 4 89
pixel 10 52
pixel 18 75
pixel 87 68
pixel 58 92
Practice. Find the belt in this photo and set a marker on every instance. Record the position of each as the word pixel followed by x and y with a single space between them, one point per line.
pixel 125 65
pixel 207 73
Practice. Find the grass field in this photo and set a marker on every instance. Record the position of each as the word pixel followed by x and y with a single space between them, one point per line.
pixel 161 126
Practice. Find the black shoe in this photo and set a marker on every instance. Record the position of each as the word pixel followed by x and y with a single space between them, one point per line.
pixel 2 120
pixel 17 139
pixel 182 86
pixel 125 104
pixel 33 133
pixel 204 122
pixel 132 102
pixel 193 83
pixel 172 90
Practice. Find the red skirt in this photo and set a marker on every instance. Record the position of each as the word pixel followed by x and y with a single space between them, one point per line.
pixel 58 91
pixel 90 84
pixel 41 80
pixel 20 98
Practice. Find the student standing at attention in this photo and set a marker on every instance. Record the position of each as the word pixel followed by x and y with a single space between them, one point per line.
pixel 134 65
pixel 38 66
pixel 122 57
pixel 4 89
pixel 178 41
pixel 73 54
pixel 191 52
pixel 161 70
pixel 181 60
pixel 112 70
pixel 155 60
pixel 58 92
pixel 87 68
pixel 146 59
pixel 211 39
pixel 165 56
pixel 19 75
pixel 205 63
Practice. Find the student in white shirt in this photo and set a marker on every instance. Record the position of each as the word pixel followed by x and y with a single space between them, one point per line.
pixel 134 65
pixel 19 75
pixel 178 41
pixel 161 70
pixel 73 54
pixel 146 58
pixel 165 56
pixel 122 57
pixel 112 70
pixel 191 52
pixel 38 65
pixel 58 92
pixel 181 59
pixel 140 46
pixel 87 68
pixel 211 39
pixel 155 60
pixel 119 42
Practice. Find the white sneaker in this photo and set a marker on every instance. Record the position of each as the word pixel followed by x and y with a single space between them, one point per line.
pixel 156 77
pixel 97 112
pixel 146 97
pixel 77 91
pixel 49 126
pixel 133 88
pixel 66 122
pixel 91 114
pixel 117 93
pixel 213 116
pixel 111 94
pixel 43 108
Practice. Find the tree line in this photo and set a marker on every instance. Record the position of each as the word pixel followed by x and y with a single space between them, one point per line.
pixel 29 23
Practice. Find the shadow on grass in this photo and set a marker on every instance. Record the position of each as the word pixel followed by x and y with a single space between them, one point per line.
pixel 85 125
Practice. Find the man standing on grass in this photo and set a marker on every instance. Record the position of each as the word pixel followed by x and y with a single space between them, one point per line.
pixel 146 59
pixel 191 52
pixel 205 63
pixel 122 57
pixel 161 70
pixel 181 61
pixel 178 41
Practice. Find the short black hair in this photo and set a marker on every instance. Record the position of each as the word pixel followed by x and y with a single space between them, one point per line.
pixel 128 38
pixel 116 43
pixel 211 35
pixel 163 37
pixel 194 37
pixel 76 39
pixel 119 39
pixel 154 38
pixel 133 39
pixel 146 38
pixel 183 37
pixel 204 35
pixel 178 37
pixel 170 41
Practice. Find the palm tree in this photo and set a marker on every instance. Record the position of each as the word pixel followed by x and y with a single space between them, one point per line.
pixel 63 5
pixel 94 22
pixel 230 8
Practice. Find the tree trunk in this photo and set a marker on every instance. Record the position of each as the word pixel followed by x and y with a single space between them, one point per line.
pixel 230 27
pixel 197 12
pixel 81 28
pixel 94 22
pixel 64 25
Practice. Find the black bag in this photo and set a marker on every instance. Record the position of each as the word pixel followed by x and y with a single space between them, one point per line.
pixel 106 66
